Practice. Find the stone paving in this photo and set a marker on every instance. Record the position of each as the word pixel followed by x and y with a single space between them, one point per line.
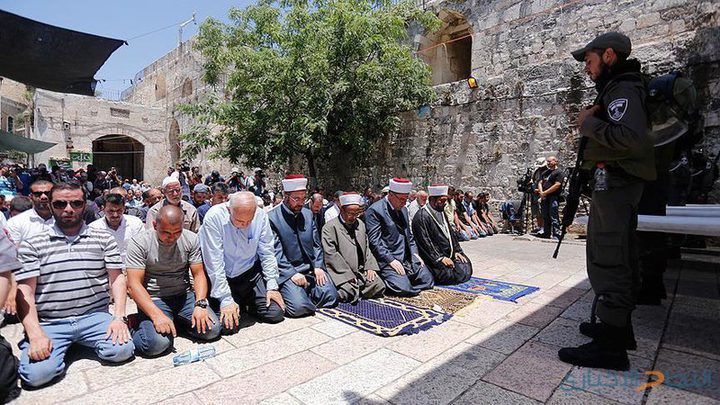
pixel 493 352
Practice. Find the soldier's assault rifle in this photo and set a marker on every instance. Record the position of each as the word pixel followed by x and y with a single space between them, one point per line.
pixel 578 178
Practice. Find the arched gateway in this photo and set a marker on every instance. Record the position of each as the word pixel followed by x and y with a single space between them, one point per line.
pixel 124 153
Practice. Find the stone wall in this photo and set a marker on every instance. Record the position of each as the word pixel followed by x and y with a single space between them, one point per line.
pixel 172 80
pixel 531 89
pixel 12 97
pixel 74 122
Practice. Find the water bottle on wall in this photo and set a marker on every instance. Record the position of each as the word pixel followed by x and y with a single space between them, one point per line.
pixel 191 356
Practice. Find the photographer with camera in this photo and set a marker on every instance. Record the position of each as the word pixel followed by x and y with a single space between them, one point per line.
pixel 236 182
pixel 113 180
pixel 259 181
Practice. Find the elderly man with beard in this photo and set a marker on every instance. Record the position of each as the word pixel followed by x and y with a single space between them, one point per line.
pixel 173 191
pixel 304 284
pixel 392 242
pixel 239 251
pixel 349 261
pixel 64 286
pixel 437 244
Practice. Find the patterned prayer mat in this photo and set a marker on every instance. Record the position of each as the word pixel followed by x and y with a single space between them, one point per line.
pixel 440 299
pixel 497 289
pixel 387 317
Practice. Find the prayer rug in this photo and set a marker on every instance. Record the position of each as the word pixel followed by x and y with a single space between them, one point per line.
pixel 440 299
pixel 386 317
pixel 496 289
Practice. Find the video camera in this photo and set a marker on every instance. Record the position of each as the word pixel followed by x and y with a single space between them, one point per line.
pixel 525 182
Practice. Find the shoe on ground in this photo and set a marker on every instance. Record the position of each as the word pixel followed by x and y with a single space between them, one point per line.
pixel 594 330
pixel 596 355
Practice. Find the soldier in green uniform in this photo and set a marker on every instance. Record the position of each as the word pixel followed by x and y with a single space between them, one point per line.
pixel 619 153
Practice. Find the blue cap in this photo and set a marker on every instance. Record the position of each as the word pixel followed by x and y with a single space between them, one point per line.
pixel 201 188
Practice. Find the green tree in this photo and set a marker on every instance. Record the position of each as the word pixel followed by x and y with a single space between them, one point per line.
pixel 316 79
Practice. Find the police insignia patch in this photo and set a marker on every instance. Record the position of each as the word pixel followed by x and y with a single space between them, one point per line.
pixel 617 108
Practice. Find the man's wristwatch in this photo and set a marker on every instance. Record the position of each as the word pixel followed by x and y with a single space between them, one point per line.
pixel 122 319
pixel 203 303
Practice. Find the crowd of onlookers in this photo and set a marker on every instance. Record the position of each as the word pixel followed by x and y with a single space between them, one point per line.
pixel 469 214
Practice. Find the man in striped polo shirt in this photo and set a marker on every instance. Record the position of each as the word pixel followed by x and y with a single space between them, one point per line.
pixel 64 291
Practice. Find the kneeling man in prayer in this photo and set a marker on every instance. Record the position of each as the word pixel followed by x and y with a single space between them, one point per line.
pixel 304 284
pixel 351 265
pixel 239 250
pixel 158 264
pixel 392 242
pixel 437 243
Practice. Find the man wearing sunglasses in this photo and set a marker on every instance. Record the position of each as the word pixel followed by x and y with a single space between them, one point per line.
pixel 36 220
pixel 121 226
pixel 173 191
pixel 64 289
pixel 392 242
pixel 27 224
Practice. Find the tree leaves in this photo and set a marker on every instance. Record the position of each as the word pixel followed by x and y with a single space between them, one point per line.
pixel 308 78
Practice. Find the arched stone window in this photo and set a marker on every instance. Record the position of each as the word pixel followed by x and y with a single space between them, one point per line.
pixel 160 88
pixel 174 141
pixel 449 50
pixel 187 87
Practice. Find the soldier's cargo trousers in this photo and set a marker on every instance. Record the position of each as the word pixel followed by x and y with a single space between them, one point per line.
pixel 612 251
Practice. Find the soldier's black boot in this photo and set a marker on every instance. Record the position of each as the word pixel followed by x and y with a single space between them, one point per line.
pixel 596 329
pixel 605 351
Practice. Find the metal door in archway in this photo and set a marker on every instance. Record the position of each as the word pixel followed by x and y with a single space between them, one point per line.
pixel 124 153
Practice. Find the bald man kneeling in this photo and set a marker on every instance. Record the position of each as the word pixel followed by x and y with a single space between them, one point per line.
pixel 239 250
pixel 158 264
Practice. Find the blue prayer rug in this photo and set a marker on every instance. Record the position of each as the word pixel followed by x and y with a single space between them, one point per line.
pixel 387 317
pixel 497 289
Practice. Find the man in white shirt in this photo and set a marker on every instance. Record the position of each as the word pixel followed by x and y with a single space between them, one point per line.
pixel 238 248
pixel 39 218
pixel 333 211
pixel 27 224
pixel 121 226
pixel 417 204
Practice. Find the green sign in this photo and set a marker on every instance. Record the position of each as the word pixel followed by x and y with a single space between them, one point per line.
pixel 81 157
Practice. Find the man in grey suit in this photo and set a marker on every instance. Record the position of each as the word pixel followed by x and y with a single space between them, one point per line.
pixel 304 284
pixel 349 262
pixel 393 245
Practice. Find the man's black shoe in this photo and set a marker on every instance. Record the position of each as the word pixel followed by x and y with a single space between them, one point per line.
pixel 594 330
pixel 596 355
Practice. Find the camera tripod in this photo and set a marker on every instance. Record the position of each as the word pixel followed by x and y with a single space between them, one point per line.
pixel 526 210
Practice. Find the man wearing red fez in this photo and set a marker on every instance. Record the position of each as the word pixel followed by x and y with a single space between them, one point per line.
pixel 392 242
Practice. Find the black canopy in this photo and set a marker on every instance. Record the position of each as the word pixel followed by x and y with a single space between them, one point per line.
pixel 49 57
pixel 10 141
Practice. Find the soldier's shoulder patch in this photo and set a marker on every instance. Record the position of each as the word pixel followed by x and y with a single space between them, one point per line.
pixel 616 109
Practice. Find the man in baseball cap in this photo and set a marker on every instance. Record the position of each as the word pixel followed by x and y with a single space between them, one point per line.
pixel 615 40
pixel 619 152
